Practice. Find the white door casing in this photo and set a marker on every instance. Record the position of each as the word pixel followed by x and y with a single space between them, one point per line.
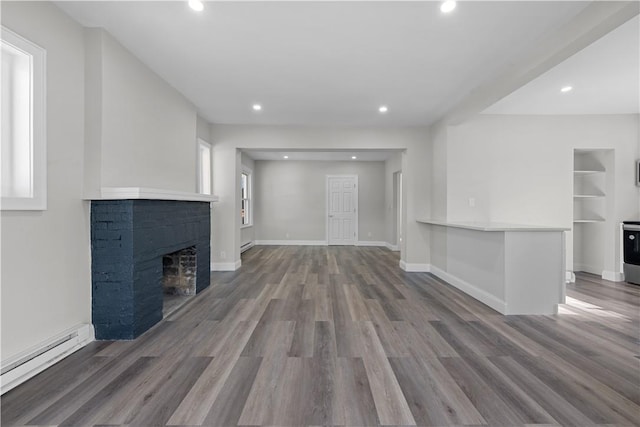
pixel 342 209
pixel 399 210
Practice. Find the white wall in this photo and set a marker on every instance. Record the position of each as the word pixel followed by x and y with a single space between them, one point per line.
pixel 145 129
pixel 438 242
pixel 519 170
pixel 45 275
pixel 391 166
pixel 229 138
pixel 247 233
pixel 439 137
pixel 203 129
pixel 291 199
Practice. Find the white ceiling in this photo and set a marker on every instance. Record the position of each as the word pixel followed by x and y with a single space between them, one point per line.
pixel 605 77
pixel 326 63
pixel 318 155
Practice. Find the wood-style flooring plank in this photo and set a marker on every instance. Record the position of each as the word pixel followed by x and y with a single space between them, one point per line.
pixel 198 401
pixel 68 404
pixel 356 404
pixel 162 401
pixel 484 398
pixel 228 405
pixel 302 344
pixel 391 404
pixel 261 402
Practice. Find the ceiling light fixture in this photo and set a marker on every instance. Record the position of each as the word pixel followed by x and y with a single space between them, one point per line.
pixel 566 89
pixel 285 157
pixel 383 109
pixel 353 157
pixel 196 5
pixel 257 107
pixel 447 6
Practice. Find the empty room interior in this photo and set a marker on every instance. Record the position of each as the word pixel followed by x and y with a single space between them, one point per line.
pixel 320 213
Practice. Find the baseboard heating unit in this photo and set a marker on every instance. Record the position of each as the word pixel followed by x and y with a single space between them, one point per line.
pixel 247 246
pixel 27 364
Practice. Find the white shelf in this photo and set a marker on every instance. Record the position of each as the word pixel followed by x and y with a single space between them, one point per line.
pixel 589 191
pixel 587 172
pixel 588 196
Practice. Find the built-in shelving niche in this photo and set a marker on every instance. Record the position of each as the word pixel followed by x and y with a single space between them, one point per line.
pixel 592 207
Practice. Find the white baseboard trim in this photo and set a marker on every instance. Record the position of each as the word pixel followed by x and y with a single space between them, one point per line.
pixel 291 242
pixel 414 268
pixel 370 243
pixel 391 247
pixel 226 266
pixel 587 268
pixel 570 277
pixel 247 246
pixel 614 276
pixel 477 293
pixel 27 364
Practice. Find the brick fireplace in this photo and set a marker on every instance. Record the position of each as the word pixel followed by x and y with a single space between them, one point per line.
pixel 140 251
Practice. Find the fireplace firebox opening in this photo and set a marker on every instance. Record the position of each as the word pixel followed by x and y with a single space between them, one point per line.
pixel 178 278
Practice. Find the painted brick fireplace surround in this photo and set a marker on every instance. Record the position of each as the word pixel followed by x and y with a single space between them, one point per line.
pixel 129 239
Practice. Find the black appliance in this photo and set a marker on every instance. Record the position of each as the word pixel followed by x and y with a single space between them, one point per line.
pixel 631 248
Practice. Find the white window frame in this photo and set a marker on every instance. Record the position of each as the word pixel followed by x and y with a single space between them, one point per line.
pixel 202 143
pixel 38 135
pixel 246 171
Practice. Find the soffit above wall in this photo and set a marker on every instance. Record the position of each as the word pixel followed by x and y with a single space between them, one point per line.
pixel 330 156
pixel 605 77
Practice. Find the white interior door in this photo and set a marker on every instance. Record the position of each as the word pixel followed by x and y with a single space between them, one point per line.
pixel 342 210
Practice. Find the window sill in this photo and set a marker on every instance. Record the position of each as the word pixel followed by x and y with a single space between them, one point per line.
pixel 23 204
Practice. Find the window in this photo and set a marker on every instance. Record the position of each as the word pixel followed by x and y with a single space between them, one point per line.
pixel 245 196
pixel 204 167
pixel 23 154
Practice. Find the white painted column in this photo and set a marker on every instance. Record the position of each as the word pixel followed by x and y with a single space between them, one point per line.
pixel 225 217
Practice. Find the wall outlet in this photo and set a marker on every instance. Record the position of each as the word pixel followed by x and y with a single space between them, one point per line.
pixel 369 234
pixel 472 202
pixel 223 254
pixel 286 235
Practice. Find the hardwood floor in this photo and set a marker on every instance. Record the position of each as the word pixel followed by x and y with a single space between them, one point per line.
pixel 341 336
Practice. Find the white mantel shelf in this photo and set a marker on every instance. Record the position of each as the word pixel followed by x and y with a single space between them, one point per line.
pixel 135 193
pixel 490 226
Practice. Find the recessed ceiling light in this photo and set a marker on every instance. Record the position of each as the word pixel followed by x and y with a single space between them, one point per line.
pixel 383 109
pixel 285 157
pixel 447 6
pixel 353 157
pixel 566 89
pixel 257 107
pixel 196 5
